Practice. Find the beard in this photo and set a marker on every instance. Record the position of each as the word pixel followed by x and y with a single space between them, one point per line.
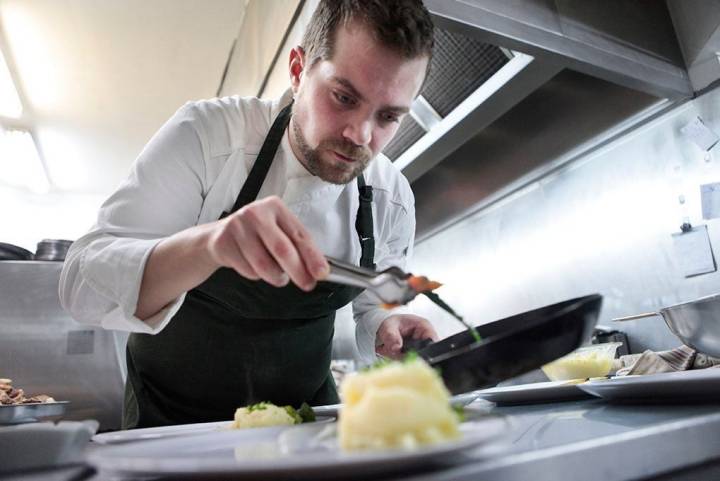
pixel 334 171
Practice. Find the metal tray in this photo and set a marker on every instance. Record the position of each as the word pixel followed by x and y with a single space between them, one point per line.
pixel 28 413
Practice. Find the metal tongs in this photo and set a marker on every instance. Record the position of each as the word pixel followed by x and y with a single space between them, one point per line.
pixel 390 285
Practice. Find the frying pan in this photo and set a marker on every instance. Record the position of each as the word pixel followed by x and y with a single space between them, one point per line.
pixel 514 345
pixel 9 252
pixel 696 323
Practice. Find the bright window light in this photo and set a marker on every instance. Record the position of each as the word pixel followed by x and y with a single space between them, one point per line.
pixel 10 105
pixel 20 163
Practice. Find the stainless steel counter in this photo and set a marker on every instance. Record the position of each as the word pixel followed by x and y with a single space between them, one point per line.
pixel 597 441
pixel 588 440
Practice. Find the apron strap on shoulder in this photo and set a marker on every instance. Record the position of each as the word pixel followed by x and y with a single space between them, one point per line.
pixel 364 224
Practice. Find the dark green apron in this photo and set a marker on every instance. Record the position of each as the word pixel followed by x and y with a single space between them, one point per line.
pixel 236 342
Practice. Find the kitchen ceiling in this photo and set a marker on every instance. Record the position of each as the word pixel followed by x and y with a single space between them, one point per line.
pixel 98 78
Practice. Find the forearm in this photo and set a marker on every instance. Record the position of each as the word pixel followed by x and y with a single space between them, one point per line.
pixel 176 265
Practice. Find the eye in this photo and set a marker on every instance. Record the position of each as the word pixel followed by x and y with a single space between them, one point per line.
pixel 343 98
pixel 390 117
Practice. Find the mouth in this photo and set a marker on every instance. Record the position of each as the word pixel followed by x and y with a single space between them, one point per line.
pixel 339 156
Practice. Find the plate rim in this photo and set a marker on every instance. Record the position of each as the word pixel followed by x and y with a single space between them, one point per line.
pixel 612 388
pixel 105 439
pixel 308 463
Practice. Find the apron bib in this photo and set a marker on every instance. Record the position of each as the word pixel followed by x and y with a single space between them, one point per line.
pixel 235 341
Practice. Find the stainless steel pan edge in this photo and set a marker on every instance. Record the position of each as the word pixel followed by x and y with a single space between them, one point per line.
pixel 696 323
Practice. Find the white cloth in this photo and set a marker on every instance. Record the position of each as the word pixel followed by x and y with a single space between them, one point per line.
pixel 189 173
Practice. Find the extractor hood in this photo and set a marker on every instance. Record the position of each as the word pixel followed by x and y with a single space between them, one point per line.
pixel 591 66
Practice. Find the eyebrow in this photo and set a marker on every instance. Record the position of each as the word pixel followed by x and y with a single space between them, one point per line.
pixel 354 92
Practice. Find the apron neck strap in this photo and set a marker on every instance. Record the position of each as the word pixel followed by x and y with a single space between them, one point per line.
pixel 364 224
pixel 254 182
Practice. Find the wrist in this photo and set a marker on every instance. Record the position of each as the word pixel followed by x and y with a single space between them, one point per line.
pixel 202 249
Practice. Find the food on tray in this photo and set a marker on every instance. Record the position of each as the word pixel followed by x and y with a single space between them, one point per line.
pixel 266 414
pixel 586 362
pixel 10 395
pixel 398 404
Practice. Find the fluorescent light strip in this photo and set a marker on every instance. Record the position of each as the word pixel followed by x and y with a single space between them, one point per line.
pixel 474 100
pixel 10 105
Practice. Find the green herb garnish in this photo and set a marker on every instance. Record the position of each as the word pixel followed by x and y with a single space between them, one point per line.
pixel 261 406
pixel 293 414
pixel 459 412
pixel 409 357
pixel 306 413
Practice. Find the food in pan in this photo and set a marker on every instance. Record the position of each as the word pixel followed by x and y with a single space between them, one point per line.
pixel 399 404
pixel 583 363
pixel 266 414
pixel 10 395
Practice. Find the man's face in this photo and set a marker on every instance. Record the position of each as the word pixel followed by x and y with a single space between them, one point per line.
pixel 348 108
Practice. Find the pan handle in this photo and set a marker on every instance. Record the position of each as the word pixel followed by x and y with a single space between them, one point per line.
pixel 637 316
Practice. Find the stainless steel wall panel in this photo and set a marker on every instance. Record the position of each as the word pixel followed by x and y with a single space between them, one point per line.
pixel 44 351
pixel 567 111
pixel 600 224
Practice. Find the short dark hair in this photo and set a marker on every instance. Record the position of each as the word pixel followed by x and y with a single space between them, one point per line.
pixel 400 25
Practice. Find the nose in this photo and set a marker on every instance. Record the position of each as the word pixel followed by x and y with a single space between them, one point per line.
pixel 359 131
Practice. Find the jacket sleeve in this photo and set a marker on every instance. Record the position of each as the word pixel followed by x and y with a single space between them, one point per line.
pixel 163 194
pixel 395 251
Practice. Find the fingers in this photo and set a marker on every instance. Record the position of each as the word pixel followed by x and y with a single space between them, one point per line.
pixel 389 339
pixel 393 351
pixel 391 332
pixel 314 261
pixel 287 257
pixel 266 241
pixel 253 250
pixel 417 328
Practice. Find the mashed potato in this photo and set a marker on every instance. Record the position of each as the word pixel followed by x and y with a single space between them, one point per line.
pixel 579 366
pixel 262 415
pixel 397 405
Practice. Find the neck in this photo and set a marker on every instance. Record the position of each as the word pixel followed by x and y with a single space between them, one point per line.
pixel 292 139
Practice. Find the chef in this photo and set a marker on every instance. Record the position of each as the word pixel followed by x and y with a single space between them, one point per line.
pixel 212 252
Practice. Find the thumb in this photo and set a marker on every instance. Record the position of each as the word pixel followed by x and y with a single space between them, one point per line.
pixel 391 341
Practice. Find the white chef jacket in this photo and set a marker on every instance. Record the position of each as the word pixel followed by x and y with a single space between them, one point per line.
pixel 189 173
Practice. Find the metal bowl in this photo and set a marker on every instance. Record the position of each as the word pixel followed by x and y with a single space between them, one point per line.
pixel 696 323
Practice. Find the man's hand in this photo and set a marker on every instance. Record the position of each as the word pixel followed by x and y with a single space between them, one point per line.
pixel 264 240
pixel 390 334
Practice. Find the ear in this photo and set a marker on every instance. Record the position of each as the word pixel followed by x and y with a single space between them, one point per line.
pixel 297 66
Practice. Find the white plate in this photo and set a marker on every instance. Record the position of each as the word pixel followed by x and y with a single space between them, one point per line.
pixel 702 384
pixel 534 393
pixel 459 400
pixel 142 434
pixel 307 451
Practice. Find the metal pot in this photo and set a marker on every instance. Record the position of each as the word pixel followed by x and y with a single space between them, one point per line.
pixel 696 323
pixel 52 249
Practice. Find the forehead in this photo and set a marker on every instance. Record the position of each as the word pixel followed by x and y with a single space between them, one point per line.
pixel 379 74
